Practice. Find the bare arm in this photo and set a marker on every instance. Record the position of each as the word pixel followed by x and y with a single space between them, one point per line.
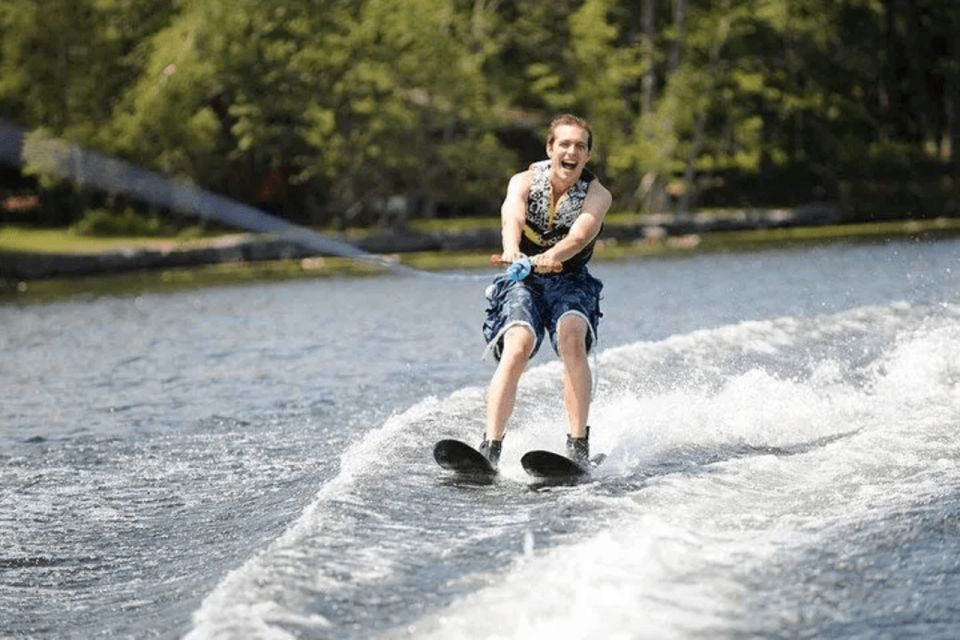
pixel 585 228
pixel 513 215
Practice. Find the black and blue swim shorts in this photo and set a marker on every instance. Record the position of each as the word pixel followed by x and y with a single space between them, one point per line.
pixel 539 302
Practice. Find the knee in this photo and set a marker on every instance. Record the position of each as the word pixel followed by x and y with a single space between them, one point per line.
pixel 572 339
pixel 518 344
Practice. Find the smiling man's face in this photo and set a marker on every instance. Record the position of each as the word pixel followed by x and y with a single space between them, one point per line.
pixel 569 152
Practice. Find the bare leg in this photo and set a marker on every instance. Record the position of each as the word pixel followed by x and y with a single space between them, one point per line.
pixel 577 381
pixel 518 342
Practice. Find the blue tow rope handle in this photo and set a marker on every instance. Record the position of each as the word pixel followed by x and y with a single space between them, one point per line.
pixel 520 269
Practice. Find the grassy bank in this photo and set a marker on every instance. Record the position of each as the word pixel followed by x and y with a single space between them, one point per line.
pixel 13 239
pixel 32 240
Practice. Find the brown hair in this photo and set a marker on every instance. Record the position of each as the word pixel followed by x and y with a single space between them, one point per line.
pixel 570 119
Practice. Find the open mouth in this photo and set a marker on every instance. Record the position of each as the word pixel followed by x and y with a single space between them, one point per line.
pixel 568 164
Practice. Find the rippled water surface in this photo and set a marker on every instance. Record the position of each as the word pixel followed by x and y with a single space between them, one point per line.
pixel 254 462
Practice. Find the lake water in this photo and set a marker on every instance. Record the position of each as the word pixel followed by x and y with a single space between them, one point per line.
pixel 255 461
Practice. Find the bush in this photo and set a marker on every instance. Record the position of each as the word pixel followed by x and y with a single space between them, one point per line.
pixel 104 222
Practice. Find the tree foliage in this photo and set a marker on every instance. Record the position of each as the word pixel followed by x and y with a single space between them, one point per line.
pixel 348 111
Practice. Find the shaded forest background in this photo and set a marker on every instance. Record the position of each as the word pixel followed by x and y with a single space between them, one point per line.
pixel 345 112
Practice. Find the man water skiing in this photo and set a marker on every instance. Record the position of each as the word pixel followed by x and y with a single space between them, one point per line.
pixel 552 214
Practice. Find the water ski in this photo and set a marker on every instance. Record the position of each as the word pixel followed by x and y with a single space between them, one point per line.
pixel 463 459
pixel 547 465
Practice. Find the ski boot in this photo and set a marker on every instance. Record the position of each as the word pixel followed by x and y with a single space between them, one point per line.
pixel 578 449
pixel 491 450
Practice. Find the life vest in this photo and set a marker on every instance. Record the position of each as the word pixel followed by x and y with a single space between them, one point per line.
pixel 545 225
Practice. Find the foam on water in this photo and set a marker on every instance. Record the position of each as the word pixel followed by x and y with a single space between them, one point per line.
pixel 734 453
pixel 234 608
pixel 678 558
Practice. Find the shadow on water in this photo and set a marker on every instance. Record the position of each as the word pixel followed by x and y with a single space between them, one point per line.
pixel 552 483
pixel 450 479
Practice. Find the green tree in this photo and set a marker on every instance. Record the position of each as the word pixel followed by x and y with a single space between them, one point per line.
pixel 373 110
pixel 63 65
pixel 64 62
pixel 409 111
pixel 357 106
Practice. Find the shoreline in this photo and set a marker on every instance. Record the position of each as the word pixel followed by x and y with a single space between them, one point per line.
pixel 30 254
pixel 242 258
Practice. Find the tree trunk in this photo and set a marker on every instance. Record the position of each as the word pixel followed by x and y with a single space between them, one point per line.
pixel 652 190
pixel 887 91
pixel 952 108
pixel 920 98
pixel 649 74
pixel 680 30
pixel 689 174
pixel 700 124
